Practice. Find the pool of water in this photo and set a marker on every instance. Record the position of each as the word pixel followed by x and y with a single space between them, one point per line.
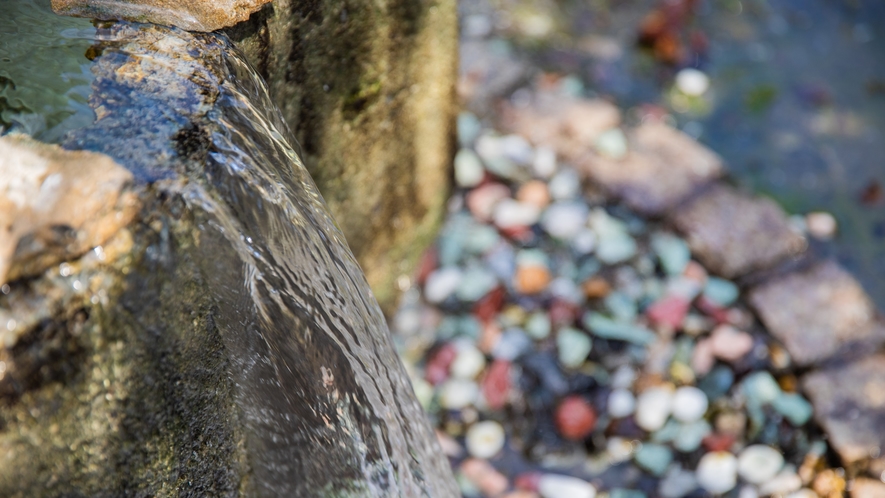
pixel 796 104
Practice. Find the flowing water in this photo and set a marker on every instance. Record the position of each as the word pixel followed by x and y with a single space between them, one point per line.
pixel 326 405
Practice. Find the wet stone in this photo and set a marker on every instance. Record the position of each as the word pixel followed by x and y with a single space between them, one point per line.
pixel 849 403
pixel 733 234
pixel 191 15
pixel 663 167
pixel 819 313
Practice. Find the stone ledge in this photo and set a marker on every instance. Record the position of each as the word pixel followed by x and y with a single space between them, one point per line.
pixel 734 234
pixel 818 314
pixel 849 403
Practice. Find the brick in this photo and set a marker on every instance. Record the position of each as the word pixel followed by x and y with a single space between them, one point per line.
pixel 734 234
pixel 818 313
pixel 849 403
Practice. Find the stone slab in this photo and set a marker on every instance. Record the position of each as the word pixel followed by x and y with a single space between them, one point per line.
pixel 734 234
pixel 867 488
pixel 662 168
pixel 191 15
pixel 849 403
pixel 819 313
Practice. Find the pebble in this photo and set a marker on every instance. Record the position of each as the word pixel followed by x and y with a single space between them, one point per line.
pixel 573 346
pixel 669 311
pixel 535 193
pixel 481 201
pixel 621 403
pixel 796 409
pixel 691 435
pixel 677 483
pixel 456 394
pixel 510 213
pixel 475 283
pixel 615 248
pixel 596 288
pixel 560 486
pixel 468 169
pixel 565 185
pixel 730 344
pixel 759 463
pixel 721 291
pixel 575 418
pixel 584 242
pixel 544 165
pixel 689 404
pixel 441 284
pixel 469 362
pixel 653 408
pixel 672 252
pixel 783 483
pixel 531 279
pixel 618 449
pixel 485 439
pixel 607 328
pixel 821 225
pixel 496 384
pixel 482 475
pixel 512 344
pixel 538 326
pixel 611 143
pixel 717 472
pixel 655 458
pixel 692 82
pixel 564 220
pixel 468 128
pixel 760 388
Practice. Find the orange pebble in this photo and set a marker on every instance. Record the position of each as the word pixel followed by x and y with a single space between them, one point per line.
pixel 532 279
pixel 535 193
pixel 596 288
pixel 481 473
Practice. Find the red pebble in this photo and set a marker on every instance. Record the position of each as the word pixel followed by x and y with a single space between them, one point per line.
pixel 436 369
pixel 496 384
pixel 426 265
pixel 563 313
pixel 669 311
pixel 712 310
pixel 519 234
pixel 718 442
pixel 575 418
pixel 489 305
pixel 528 481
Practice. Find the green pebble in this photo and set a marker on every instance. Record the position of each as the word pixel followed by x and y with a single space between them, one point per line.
pixel 621 306
pixel 606 328
pixel 691 435
pixel 760 388
pixel 720 291
pixel 538 326
pixel 654 458
pixel 625 493
pixel 796 409
pixel 672 252
pixel 573 346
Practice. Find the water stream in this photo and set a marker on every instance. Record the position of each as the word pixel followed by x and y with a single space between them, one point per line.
pixel 326 405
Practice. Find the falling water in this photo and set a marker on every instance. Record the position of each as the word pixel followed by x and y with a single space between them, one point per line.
pixel 326 405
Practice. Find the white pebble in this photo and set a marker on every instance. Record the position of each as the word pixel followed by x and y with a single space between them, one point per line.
pixel 759 463
pixel 785 482
pixel 512 214
pixel 544 164
pixel 692 82
pixel 717 472
pixel 565 185
pixel 584 242
pixel 559 486
pixel 469 362
pixel 485 439
pixel 821 225
pixel 621 403
pixel 468 169
pixel 677 483
pixel 565 219
pixel 653 408
pixel 748 492
pixel 612 143
pixel 689 404
pixel 803 493
pixel 456 394
pixel 441 284
pixel 619 449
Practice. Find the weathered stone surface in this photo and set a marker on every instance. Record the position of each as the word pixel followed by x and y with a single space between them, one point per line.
pixel 867 488
pixel 192 15
pixel 368 88
pixel 663 167
pixel 568 125
pixel 55 204
pixel 819 313
pixel 849 403
pixel 734 234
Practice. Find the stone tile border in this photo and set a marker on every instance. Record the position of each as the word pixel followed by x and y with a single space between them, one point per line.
pixel 818 311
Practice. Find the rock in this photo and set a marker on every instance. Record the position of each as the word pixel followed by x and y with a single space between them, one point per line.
pixel 456 394
pixel 584 242
pixel 611 144
pixel 565 185
pixel 692 82
pixel 672 252
pixel 669 311
pixel 191 15
pixel 481 201
pixel 482 475
pixel 573 346
pixel 760 388
pixel 442 283
pixel 730 344
pixel 663 167
pixel 469 127
pixel 654 458
pixel 607 328
pixel 559 486
pixel 848 403
pixel 757 464
pixel 863 487
pixel 468 363
pixel 468 169
pixel 819 313
pixel 56 205
pixel 691 435
pixel 596 288
pixel 720 291
pixel 733 234
pixel 653 407
pixel 475 283
pixel 544 165
pixel 621 403
pixel 531 279
pixel 509 214
pixel 717 472
pixel 496 384
pixel 821 225
pixel 575 418
pixel 564 220
pixel 538 325
pixel 512 344
pixel 485 439
pixel 793 407
pixel 534 193
pixel 677 483
pixel 689 404
pixel 783 483
pixel 702 358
